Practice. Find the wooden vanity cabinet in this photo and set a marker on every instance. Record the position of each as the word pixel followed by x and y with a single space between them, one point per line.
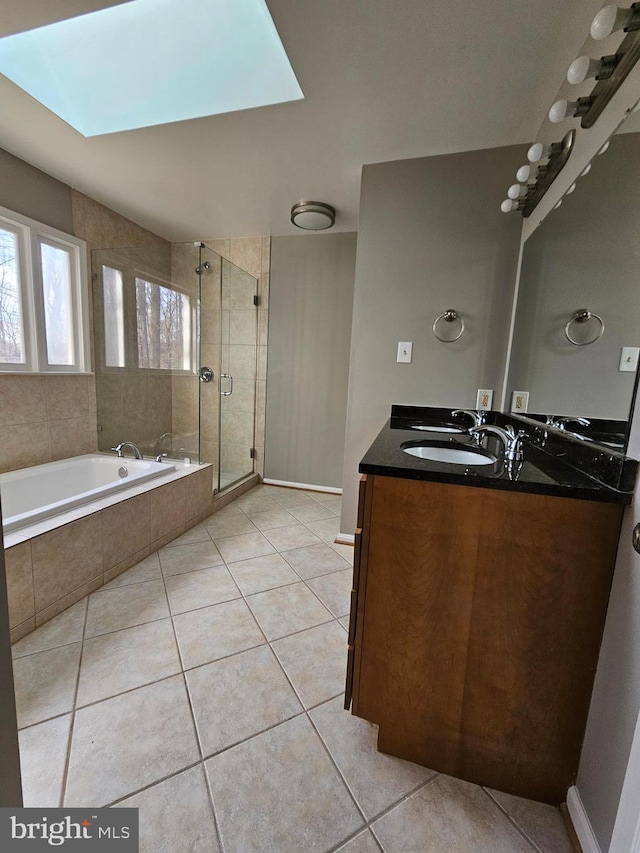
pixel 476 621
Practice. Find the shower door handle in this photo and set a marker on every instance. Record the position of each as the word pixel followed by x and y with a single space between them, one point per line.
pixel 230 378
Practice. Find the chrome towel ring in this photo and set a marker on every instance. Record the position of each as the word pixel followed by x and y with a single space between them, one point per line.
pixel 449 316
pixel 583 316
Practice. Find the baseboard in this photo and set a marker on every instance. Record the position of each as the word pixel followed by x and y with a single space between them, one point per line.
pixel 332 490
pixel 345 539
pixel 581 822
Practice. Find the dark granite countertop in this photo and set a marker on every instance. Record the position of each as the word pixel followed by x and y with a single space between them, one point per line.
pixel 540 473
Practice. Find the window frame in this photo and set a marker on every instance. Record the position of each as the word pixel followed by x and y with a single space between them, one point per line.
pixel 30 236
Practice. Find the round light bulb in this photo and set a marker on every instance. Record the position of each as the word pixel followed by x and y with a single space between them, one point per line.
pixel 537 152
pixel 516 191
pixel 556 206
pixel 571 188
pixel 582 68
pixel 604 148
pixel 609 20
pixel 508 205
pixel 586 170
pixel 523 174
pixel 561 110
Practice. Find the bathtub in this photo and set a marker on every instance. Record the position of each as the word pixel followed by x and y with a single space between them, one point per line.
pixel 43 491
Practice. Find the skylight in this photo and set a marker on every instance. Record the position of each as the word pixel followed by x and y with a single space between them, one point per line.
pixel 149 62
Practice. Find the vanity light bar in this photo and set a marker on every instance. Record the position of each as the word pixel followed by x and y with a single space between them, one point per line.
pixel 526 198
pixel 609 72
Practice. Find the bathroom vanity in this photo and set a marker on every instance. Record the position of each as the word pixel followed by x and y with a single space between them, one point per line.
pixel 478 604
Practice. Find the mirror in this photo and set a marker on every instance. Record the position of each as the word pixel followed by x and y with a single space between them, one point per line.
pixel 584 255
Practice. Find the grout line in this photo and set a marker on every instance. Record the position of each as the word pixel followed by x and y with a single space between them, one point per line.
pixel 65 772
pixel 151 785
pixel 511 820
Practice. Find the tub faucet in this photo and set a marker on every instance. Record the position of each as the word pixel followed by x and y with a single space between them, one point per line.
pixel 511 440
pixel 476 417
pixel 119 449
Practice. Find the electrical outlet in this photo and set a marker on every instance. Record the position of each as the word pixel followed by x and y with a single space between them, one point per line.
pixel 520 401
pixel 484 399
pixel 405 349
pixel 629 359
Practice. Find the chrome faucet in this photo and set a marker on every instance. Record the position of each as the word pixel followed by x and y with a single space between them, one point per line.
pixel 477 417
pixel 561 423
pixel 511 440
pixel 119 449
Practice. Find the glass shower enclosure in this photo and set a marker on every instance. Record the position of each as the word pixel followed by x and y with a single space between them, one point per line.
pixel 175 346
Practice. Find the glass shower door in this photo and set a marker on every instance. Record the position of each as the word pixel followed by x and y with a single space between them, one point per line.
pixel 238 373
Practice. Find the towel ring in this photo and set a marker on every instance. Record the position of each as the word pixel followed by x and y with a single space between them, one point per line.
pixel 583 316
pixel 448 316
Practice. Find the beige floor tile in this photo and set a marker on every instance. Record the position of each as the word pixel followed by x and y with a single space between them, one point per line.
pixel 315 560
pixel 332 502
pixel 45 683
pixel 188 558
pixel 272 518
pixel 293 497
pixel 287 609
pixel 363 843
pixel 334 591
pixel 293 536
pixel 124 660
pixel 540 822
pixel 226 511
pixel 311 512
pixel 191 590
pixel 214 632
pixel 175 815
pixel 286 797
pixel 124 607
pixel 230 525
pixel 146 570
pixel 43 755
pixel 251 503
pixel 327 529
pixel 239 696
pixel 376 780
pixel 244 547
pixel 344 621
pixel 62 630
pixel 345 551
pixel 262 573
pixel 130 741
pixel 199 533
pixel 448 814
pixel 315 661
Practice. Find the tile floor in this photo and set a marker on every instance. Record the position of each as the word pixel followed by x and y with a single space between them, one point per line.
pixel 203 687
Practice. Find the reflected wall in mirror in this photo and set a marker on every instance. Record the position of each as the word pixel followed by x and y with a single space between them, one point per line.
pixel 586 254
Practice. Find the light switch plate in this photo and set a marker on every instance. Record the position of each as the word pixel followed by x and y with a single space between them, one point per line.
pixel 484 400
pixel 405 349
pixel 629 359
pixel 520 401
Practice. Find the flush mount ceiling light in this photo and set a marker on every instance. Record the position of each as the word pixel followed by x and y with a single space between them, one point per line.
pixel 150 62
pixel 313 215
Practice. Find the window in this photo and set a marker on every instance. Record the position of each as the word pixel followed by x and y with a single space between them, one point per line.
pixel 148 323
pixel 43 305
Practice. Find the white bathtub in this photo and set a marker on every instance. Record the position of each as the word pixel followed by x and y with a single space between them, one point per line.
pixel 43 491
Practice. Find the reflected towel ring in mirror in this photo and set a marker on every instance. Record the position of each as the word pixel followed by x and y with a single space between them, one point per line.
pixel 583 316
pixel 449 316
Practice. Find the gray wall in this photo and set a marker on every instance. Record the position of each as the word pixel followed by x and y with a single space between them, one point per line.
pixel 310 306
pixel 431 237
pixel 33 193
pixel 584 255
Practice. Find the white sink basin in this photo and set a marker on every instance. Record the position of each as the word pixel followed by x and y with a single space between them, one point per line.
pixel 452 455
pixel 435 428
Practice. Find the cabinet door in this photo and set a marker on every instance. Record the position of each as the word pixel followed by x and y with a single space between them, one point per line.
pixel 423 541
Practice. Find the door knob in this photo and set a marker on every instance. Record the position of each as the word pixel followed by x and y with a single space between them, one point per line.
pixel 205 374
pixel 635 538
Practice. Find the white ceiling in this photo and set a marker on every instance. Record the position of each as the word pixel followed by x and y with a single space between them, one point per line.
pixel 383 80
pixel 19 15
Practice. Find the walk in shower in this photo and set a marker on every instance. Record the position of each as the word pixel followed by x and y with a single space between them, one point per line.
pixel 175 338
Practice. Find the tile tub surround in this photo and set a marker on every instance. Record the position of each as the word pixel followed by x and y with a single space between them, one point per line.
pixel 262 756
pixel 55 568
